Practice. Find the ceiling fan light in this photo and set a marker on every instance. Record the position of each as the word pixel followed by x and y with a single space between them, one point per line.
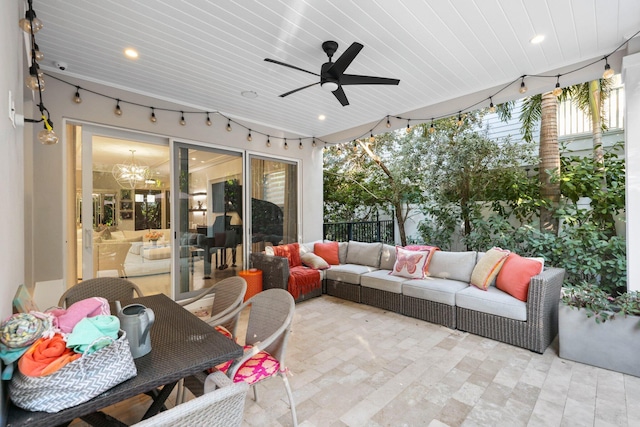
pixel 329 86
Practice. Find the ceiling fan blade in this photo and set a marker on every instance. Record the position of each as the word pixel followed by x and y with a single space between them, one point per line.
pixel 340 96
pixel 300 88
pixel 353 79
pixel 291 66
pixel 345 59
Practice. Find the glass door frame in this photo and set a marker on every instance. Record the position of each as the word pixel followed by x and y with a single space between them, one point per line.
pixel 87 132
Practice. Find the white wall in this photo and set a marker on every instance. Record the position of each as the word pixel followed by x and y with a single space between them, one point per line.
pixel 12 244
pixel 48 192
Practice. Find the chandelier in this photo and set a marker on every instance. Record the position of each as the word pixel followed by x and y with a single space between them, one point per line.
pixel 130 175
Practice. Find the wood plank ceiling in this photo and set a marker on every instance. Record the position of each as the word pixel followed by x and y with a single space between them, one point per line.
pixel 447 54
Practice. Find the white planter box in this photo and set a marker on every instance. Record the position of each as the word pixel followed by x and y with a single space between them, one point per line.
pixel 613 345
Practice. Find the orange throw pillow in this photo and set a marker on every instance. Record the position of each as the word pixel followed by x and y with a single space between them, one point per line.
pixel 290 251
pixel 515 275
pixel 328 252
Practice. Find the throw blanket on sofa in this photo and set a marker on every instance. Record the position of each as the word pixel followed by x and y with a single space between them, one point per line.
pixel 303 280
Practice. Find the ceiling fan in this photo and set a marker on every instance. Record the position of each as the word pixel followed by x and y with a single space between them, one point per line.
pixel 332 76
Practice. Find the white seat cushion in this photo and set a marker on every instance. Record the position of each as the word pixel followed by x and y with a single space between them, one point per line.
pixel 348 273
pixel 382 280
pixel 433 289
pixel 492 301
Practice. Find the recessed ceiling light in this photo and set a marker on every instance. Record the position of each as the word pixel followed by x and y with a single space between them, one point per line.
pixel 249 94
pixel 537 39
pixel 322 117
pixel 131 53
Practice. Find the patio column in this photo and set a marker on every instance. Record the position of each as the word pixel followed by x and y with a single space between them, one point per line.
pixel 631 79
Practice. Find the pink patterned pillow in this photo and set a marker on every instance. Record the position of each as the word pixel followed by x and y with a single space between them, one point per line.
pixel 257 368
pixel 410 264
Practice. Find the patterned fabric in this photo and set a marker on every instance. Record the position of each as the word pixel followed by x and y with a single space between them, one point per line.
pixel 260 366
pixel 224 331
pixel 303 280
pixel 22 330
pixel 410 264
pixel 488 267
pixel 432 250
pixel 291 252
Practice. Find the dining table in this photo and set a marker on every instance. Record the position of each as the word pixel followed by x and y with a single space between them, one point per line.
pixel 181 345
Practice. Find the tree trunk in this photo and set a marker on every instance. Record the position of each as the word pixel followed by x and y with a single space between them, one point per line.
pixel 397 207
pixel 595 109
pixel 549 160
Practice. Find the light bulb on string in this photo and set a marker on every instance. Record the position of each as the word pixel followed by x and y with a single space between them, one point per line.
pixel 183 122
pixel 355 146
pixel 153 117
pixel 300 146
pixel 76 97
pixel 39 56
pixel 47 136
pixel 557 91
pixel 432 128
pixel 608 71
pixel 523 87
pixel 372 138
pixel 268 141
pixel 229 125
pixel 35 81
pixel 313 142
pixel 460 122
pixel 117 111
pixel 492 108
pixel 249 137
pixel 388 123
pixel 30 23
pixel 286 146
pixel 408 129
pixel 208 121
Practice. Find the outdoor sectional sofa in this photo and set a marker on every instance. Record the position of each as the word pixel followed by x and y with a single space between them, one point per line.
pixel 444 297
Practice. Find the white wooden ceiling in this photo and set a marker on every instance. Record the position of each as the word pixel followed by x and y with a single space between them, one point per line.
pixel 448 54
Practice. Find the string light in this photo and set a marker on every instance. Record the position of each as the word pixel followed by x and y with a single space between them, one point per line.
pixel 118 110
pixel 608 71
pixel 300 146
pixel 355 146
pixel 286 146
pixel 408 129
pixel 39 56
pixel 388 123
pixel 183 122
pixel 76 97
pixel 153 115
pixel 557 91
pixel 228 125
pixel 460 122
pixel 492 108
pixel 208 122
pixel 30 23
pixel 268 141
pixel 432 128
pixel 35 81
pixel 523 87
pixel 313 143
pixel 372 138
pixel 249 137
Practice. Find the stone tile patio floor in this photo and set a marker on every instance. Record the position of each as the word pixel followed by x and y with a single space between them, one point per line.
pixel 355 365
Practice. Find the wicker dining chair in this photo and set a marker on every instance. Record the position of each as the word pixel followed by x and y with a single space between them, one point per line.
pixel 228 295
pixel 110 288
pixel 217 407
pixel 270 316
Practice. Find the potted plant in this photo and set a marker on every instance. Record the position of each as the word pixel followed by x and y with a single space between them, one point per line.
pixel 599 329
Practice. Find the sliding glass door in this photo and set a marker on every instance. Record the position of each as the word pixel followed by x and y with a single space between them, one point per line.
pixel 208 211
pixel 274 202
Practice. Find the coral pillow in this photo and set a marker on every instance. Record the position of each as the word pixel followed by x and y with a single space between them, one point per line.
pixel 488 267
pixel 431 249
pixel 515 275
pixel 314 261
pixel 290 251
pixel 411 264
pixel 328 251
